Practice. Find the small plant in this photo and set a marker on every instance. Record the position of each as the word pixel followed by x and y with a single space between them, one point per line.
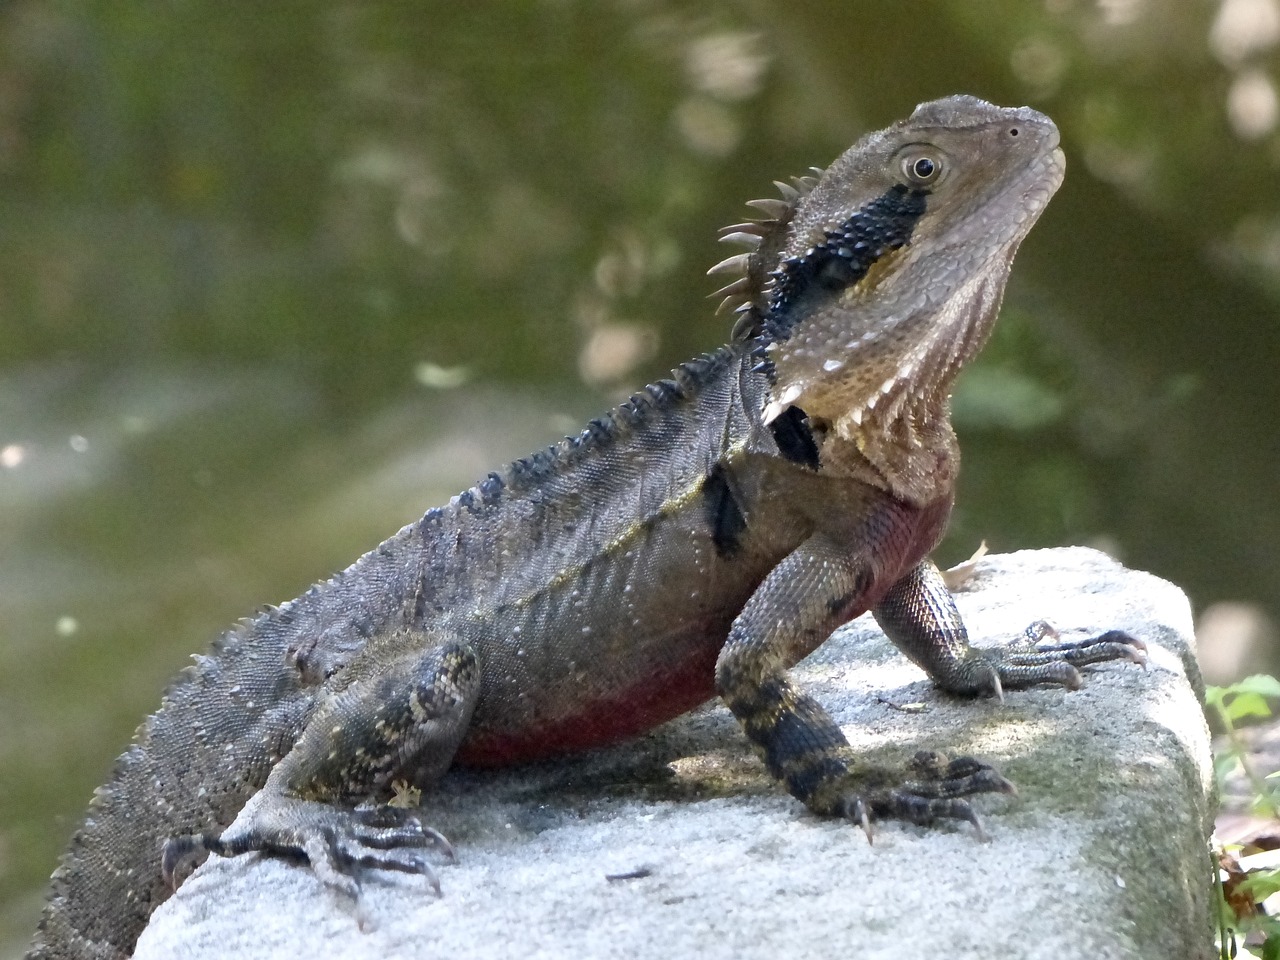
pixel 1247 872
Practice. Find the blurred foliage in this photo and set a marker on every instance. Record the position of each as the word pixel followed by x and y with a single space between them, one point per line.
pixel 1246 876
pixel 274 279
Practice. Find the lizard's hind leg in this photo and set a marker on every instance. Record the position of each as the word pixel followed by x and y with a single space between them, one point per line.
pixel 398 711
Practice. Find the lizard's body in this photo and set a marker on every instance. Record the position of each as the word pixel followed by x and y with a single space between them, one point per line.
pixel 699 540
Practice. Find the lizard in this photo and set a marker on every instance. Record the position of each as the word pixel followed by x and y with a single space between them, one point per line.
pixel 696 542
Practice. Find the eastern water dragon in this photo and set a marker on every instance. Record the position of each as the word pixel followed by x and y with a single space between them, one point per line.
pixel 697 541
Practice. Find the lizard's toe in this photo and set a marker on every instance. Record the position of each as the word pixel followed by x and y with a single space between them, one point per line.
pixel 340 844
pixel 925 811
pixel 934 788
pixel 1027 670
pixel 408 832
pixel 937 778
pixel 354 857
pixel 1030 663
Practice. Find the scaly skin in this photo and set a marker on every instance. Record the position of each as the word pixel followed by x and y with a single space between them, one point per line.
pixel 699 540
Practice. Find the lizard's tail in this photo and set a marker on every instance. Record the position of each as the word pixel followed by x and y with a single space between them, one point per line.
pixel 105 887
pixel 172 781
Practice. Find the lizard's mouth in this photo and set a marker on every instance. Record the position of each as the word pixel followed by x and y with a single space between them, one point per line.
pixel 1000 220
pixel 1045 175
pixel 1043 180
pixel 1055 139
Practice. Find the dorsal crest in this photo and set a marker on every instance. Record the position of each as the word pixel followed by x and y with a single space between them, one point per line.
pixel 749 292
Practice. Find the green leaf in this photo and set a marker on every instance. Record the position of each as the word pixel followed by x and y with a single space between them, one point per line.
pixel 1247 705
pixel 1260 683
pixel 1270 929
pixel 1225 764
pixel 1261 884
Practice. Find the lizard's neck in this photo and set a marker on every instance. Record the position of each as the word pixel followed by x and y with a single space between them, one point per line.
pixel 874 370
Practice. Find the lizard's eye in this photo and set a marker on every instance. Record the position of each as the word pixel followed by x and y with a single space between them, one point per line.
pixel 922 168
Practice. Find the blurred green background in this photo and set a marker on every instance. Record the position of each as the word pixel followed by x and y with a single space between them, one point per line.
pixel 274 279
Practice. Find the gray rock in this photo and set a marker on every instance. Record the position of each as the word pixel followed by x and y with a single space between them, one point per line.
pixel 679 844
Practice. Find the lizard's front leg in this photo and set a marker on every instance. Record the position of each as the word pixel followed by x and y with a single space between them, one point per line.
pixel 797 606
pixel 919 615
pixel 398 711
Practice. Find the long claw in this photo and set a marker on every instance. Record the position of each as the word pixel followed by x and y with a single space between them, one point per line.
pixel 997 688
pixel 978 828
pixel 178 852
pixel 440 841
pixel 855 811
pixel 865 820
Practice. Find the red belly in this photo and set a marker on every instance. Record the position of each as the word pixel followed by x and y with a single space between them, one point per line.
pixel 604 719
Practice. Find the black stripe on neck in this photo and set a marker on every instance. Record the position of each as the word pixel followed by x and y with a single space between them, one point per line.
pixel 841 259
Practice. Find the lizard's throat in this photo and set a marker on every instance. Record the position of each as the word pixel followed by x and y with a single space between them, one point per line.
pixel 865 369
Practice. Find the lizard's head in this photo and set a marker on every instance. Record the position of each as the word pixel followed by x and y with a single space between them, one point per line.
pixel 957 173
pixel 892 265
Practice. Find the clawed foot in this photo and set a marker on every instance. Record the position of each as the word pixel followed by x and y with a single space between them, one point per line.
pixel 340 844
pixel 1031 661
pixel 934 789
